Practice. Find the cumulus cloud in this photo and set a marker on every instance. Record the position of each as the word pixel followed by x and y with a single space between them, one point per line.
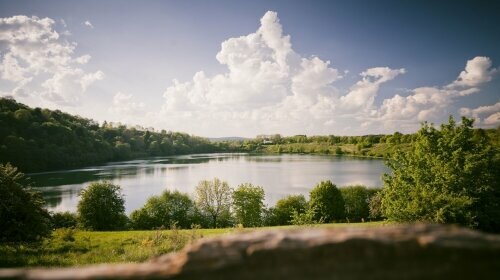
pixel 269 88
pixel 433 103
pixel 486 115
pixel 37 62
pixel 477 71
pixel 123 104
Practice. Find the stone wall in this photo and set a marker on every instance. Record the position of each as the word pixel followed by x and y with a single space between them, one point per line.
pixel 391 252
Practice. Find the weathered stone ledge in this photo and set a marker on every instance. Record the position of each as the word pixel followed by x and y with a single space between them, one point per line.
pixel 391 252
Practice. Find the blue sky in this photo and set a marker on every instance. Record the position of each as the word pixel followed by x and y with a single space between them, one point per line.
pixel 392 64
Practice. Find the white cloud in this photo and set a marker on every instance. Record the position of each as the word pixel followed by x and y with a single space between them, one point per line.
pixel 123 105
pixel 36 62
pixel 269 88
pixel 88 24
pixel 477 71
pixel 490 114
pixel 362 95
pixel 433 103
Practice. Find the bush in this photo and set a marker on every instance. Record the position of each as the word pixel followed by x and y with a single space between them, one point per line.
pixel 101 207
pixel 22 216
pixel 328 202
pixel 163 211
pixel 64 220
pixel 449 175
pixel 284 209
pixel 248 204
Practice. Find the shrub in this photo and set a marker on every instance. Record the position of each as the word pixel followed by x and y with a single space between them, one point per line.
pixel 101 207
pixel 328 202
pixel 22 216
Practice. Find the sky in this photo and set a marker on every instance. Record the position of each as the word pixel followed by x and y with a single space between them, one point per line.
pixel 243 68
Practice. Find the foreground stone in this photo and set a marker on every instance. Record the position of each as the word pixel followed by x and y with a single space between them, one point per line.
pixel 392 252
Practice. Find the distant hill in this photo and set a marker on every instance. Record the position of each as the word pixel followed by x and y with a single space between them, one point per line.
pixel 36 139
pixel 228 139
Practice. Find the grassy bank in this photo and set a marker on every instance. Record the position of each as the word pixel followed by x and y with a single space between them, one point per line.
pixel 67 247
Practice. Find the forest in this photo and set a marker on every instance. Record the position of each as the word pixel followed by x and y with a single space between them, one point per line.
pixel 35 139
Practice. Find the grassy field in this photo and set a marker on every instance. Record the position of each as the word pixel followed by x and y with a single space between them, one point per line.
pixel 73 247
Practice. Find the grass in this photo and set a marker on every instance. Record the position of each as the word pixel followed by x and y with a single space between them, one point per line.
pixel 69 247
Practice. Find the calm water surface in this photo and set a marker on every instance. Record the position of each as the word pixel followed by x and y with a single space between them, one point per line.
pixel 279 175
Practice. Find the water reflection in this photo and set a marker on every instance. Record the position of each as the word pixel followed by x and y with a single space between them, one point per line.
pixel 279 175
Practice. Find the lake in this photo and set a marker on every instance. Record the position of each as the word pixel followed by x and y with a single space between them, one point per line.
pixel 279 175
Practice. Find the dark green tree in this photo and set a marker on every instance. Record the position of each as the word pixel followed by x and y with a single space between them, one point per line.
pixel 449 175
pixel 163 211
pixel 327 201
pixel 102 207
pixel 248 205
pixel 22 216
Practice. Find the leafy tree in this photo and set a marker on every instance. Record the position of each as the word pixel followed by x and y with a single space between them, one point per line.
pixel 285 208
pixel 356 199
pixel 213 199
pixel 448 176
pixel 163 211
pixel 327 199
pixel 22 216
pixel 248 204
pixel 64 220
pixel 101 207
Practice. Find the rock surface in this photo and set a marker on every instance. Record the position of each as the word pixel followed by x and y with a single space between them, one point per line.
pixel 391 252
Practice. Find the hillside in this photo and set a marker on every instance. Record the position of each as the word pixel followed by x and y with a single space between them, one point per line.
pixel 36 139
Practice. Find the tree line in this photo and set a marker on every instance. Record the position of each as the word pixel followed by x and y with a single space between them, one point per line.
pixel 35 139
pixel 214 205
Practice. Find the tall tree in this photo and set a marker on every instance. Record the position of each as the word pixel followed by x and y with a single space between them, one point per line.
pixel 22 216
pixel 449 175
pixel 213 198
pixel 248 204
pixel 102 207
pixel 326 199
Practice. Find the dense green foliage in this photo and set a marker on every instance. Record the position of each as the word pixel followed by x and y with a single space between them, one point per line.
pixel 213 200
pixel 356 202
pixel 248 205
pixel 368 145
pixel 22 216
pixel 163 211
pixel 375 206
pixel 450 175
pixel 35 139
pixel 327 202
pixel 102 207
pixel 282 212
pixel 64 220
